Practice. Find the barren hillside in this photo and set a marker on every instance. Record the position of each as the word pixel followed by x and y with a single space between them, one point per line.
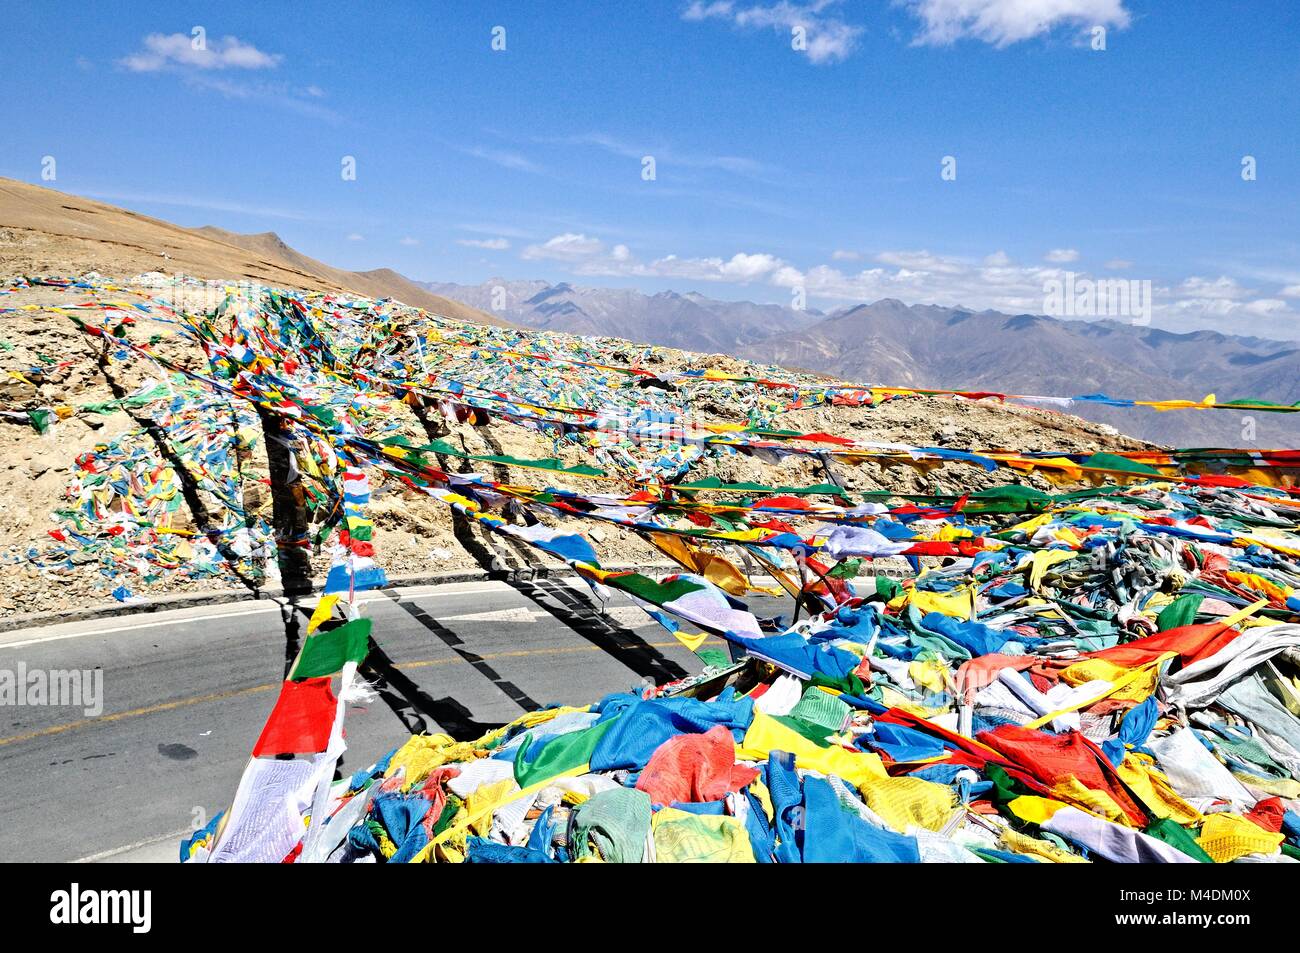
pixel 46 232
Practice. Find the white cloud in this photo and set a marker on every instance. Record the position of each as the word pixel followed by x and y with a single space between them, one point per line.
pixel 1004 22
pixel 569 247
pixel 741 268
pixel 828 37
pixel 1221 304
pixel 282 95
pixel 1118 264
pixel 1061 256
pixel 922 277
pixel 1218 289
pixel 503 158
pixel 921 261
pixel 591 256
pixel 489 244
pixel 842 254
pixel 1290 291
pixel 178 50
pixel 355 237
pixel 408 240
pixel 1265 307
pixel 665 156
pixel 998 283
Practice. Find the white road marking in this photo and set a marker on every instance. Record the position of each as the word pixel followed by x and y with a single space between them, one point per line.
pixel 11 640
pixel 517 614
pixel 150 842
pixel 630 616
pixel 253 610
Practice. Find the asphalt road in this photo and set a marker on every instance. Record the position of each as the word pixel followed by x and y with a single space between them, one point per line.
pixel 186 693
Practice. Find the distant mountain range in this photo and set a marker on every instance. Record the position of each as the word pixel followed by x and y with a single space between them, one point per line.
pixel 892 343
pixel 691 321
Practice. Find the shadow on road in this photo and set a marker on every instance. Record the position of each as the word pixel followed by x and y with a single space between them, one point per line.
pixel 577 612
pixel 419 711
pixel 457 645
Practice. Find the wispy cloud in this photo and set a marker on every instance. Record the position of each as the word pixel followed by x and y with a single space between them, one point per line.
pixel 828 38
pixel 1004 22
pixel 408 241
pixel 180 50
pixel 1061 256
pixel 280 95
pixel 504 158
pixel 666 155
pixel 488 244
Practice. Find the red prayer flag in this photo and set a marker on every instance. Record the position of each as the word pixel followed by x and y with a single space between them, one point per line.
pixel 301 720
pixel 1191 642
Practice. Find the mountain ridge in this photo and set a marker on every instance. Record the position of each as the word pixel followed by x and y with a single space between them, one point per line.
pixel 893 343
pixel 45 231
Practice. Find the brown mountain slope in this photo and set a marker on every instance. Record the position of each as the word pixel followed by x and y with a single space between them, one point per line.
pixel 43 231
pixel 379 283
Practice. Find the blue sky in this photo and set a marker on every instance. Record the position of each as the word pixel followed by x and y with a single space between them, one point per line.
pixel 777 170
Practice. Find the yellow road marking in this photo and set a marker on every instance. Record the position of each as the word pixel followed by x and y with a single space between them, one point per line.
pixel 239 692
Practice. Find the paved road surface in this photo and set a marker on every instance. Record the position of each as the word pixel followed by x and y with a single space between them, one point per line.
pixel 186 693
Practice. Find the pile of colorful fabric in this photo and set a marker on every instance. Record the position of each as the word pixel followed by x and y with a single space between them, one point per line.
pixel 1116 702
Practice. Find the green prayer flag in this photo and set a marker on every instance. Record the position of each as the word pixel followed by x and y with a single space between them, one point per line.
pixel 717 658
pixel 846 569
pixel 41 419
pixel 1176 836
pixel 1111 461
pixel 657 593
pixel 817 734
pixel 1182 611
pixel 887 588
pixel 557 755
pixel 824 710
pixel 326 652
